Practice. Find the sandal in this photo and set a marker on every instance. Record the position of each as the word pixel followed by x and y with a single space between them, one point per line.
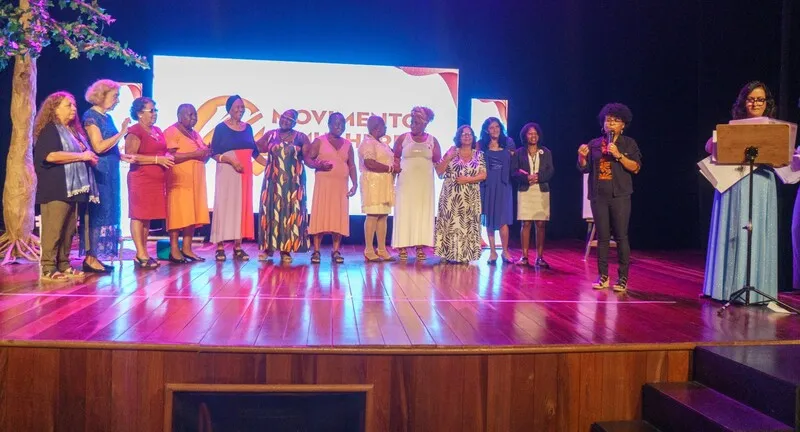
pixel 73 273
pixel 371 256
pixel 337 257
pixel 421 254
pixel 315 258
pixel 149 263
pixel 403 254
pixel 265 256
pixel 220 255
pixel 239 254
pixel 286 257
pixel 53 276
pixel 385 256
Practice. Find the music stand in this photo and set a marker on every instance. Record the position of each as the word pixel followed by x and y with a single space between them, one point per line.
pixel 762 144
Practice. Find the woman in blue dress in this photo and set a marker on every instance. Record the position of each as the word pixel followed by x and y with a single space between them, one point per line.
pixel 100 232
pixel 496 192
pixel 726 260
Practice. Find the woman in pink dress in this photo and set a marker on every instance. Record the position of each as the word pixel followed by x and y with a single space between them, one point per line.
pixel 332 158
pixel 149 159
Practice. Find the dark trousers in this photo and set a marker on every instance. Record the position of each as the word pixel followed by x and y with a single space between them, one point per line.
pixel 612 213
pixel 58 228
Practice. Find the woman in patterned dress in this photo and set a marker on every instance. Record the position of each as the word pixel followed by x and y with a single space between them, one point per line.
pixel 283 215
pixel 458 225
pixel 100 234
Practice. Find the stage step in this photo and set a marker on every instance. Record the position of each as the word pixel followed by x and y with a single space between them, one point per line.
pixel 691 406
pixel 624 426
pixel 765 377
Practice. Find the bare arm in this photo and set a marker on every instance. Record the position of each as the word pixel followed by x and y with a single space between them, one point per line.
pixel 353 173
pixel 100 145
pixel 437 151
pixel 710 145
pixel 62 157
pixel 195 155
pixel 132 143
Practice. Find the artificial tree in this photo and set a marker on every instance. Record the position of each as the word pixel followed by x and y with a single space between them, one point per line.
pixel 26 29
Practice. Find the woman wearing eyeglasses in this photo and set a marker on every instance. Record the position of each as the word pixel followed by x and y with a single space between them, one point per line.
pixel 610 160
pixel 458 225
pixel 147 193
pixel 726 259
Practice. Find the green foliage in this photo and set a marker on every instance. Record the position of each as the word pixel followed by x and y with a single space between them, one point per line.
pixel 27 31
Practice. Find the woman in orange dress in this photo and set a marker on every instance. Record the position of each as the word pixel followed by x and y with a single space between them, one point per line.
pixel 332 157
pixel 187 206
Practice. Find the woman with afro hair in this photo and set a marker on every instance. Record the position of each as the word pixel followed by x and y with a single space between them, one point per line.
pixel 610 160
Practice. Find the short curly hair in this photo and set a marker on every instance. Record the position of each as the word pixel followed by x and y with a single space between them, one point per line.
pixel 138 105
pixel 618 110
pixel 96 93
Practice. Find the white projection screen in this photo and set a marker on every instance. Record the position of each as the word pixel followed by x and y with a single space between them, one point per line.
pixel 481 109
pixel 314 89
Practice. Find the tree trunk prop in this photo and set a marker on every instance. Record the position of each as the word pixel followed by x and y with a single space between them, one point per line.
pixel 20 188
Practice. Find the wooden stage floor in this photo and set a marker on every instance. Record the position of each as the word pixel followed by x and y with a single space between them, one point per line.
pixel 428 305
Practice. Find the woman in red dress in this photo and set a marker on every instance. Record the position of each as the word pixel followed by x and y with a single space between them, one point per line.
pixel 147 198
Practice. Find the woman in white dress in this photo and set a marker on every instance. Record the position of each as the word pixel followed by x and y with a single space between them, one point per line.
pixel 417 152
pixel 458 225
pixel 532 169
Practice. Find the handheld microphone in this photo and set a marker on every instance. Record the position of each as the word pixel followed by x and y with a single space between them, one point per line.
pixel 609 140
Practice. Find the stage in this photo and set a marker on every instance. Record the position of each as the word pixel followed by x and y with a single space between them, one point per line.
pixel 400 305
pixel 430 338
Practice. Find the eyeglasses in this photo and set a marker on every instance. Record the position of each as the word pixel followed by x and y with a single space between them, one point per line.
pixel 756 101
pixel 150 111
pixel 612 120
pixel 466 134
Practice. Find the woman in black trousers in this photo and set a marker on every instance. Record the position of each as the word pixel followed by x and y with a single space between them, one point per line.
pixel 610 160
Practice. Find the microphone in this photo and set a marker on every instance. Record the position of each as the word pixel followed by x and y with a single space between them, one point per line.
pixel 609 140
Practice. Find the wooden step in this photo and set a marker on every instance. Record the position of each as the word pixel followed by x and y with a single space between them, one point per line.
pixel 624 426
pixel 691 406
pixel 765 377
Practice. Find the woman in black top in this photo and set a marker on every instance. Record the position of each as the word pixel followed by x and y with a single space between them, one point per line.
pixel 63 162
pixel 532 168
pixel 610 160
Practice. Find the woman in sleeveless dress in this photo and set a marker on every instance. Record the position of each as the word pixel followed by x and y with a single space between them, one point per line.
pixel 147 187
pixel 458 225
pixel 283 215
pixel 417 152
pixel 332 157
pixel 101 233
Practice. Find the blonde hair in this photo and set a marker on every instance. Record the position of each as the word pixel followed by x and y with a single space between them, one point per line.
pixel 425 111
pixel 96 93
pixel 47 114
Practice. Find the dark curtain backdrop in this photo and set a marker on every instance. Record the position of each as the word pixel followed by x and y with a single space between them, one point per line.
pixel 677 64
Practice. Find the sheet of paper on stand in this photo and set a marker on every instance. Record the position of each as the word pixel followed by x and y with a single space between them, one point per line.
pixel 722 177
pixel 767 120
pixel 790 174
